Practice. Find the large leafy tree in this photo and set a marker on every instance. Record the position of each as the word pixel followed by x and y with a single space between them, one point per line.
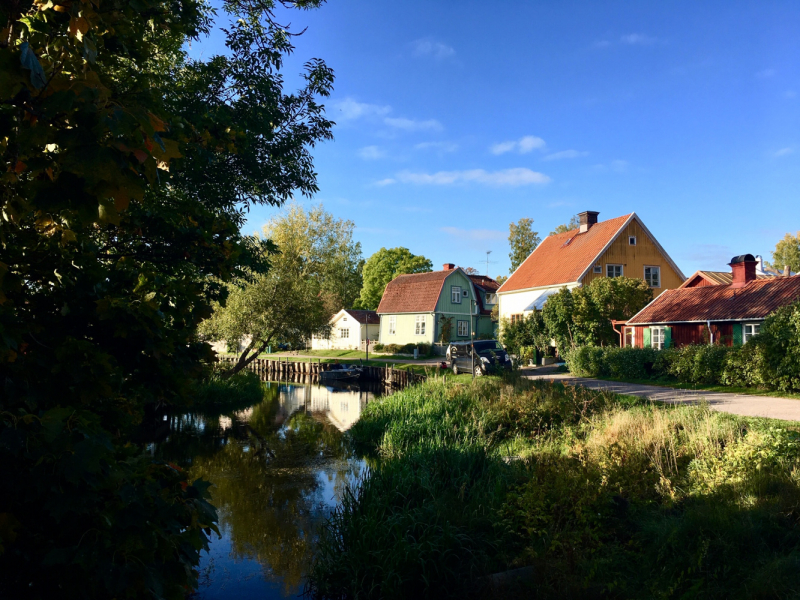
pixel 523 240
pixel 787 252
pixel 582 316
pixel 313 270
pixel 126 171
pixel 382 267
pixel 574 223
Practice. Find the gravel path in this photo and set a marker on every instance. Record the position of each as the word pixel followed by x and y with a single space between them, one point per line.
pixel 773 407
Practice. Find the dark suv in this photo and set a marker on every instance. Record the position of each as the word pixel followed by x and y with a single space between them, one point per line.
pixel 489 357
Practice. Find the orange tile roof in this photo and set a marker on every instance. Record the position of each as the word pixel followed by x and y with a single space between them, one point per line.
pixel 564 257
pixel 755 300
pixel 414 293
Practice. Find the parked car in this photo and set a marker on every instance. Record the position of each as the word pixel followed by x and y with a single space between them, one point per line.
pixel 489 356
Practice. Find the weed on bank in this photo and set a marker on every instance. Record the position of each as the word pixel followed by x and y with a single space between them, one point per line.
pixel 597 495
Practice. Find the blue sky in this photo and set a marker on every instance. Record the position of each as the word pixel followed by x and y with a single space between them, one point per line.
pixel 456 118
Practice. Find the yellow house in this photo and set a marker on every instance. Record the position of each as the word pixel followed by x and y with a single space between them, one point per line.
pixel 615 248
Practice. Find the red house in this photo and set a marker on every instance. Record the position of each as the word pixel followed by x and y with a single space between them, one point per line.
pixel 725 313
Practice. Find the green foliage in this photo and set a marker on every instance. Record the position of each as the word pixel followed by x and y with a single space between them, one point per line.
pixel 127 170
pixel 787 253
pixel 523 240
pixel 574 223
pixel 528 332
pixel 424 349
pixel 242 389
pixel 378 347
pixel 780 338
pixel 610 498
pixel 382 267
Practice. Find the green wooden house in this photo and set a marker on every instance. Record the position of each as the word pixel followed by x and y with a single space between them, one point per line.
pixel 437 307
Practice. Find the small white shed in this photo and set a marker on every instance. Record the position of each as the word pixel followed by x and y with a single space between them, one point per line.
pixel 350 330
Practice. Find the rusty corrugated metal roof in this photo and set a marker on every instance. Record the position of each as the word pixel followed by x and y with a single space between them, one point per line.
pixel 755 301
pixel 715 277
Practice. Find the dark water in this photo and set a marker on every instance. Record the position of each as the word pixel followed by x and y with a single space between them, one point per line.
pixel 278 468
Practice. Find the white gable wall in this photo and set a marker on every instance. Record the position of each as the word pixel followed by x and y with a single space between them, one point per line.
pixel 515 303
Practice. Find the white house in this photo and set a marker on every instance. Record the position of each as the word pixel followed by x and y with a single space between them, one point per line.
pixel 349 331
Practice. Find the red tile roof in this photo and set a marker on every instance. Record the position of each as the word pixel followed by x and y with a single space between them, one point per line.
pixel 755 300
pixel 563 258
pixel 414 293
pixel 365 317
pixel 714 278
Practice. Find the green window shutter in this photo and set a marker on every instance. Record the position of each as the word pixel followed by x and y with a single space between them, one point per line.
pixel 737 334
pixel 646 332
pixel 667 337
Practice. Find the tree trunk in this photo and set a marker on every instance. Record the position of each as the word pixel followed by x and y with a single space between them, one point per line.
pixel 245 358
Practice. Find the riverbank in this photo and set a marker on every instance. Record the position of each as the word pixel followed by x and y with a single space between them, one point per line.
pixel 596 494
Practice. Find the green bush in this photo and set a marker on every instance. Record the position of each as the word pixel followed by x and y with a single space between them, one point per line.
pixel 780 338
pixel 744 366
pixel 586 361
pixel 242 388
pixel 378 347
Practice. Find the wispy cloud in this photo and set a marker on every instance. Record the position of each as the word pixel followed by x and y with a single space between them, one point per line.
pixel 475 234
pixel 349 110
pixel 766 73
pixel 565 154
pixel 640 39
pixel 413 124
pixel 505 178
pixel 784 152
pixel 618 166
pixel 387 181
pixel 429 47
pixel 371 153
pixel 438 146
pixel 522 145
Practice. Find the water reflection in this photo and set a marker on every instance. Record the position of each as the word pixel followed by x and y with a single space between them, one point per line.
pixel 278 468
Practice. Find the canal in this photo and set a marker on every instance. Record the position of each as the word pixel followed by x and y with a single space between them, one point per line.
pixel 278 469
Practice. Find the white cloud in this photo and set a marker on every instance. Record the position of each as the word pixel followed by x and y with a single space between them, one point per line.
pixel 438 146
pixel 413 124
pixel 522 145
pixel 371 153
pixel 348 109
pixel 766 73
pixel 784 152
pixel 387 181
pixel 602 44
pixel 428 47
pixel 475 234
pixel 565 154
pixel 507 177
pixel 637 39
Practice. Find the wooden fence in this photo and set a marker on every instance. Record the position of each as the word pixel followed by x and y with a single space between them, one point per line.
pixel 282 368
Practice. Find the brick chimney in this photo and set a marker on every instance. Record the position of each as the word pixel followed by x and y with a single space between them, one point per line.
pixel 587 219
pixel 449 266
pixel 744 270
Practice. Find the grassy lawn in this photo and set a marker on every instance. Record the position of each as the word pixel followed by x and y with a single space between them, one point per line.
pixel 349 354
pixel 707 388
pixel 598 495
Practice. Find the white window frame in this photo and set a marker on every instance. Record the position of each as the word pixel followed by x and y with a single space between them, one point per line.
pixel 344 333
pixel 420 322
pixel 630 332
pixel 631 240
pixel 491 298
pixel 756 327
pixel 658 276
pixel 455 294
pixel 621 270
pixel 465 325
pixel 392 325
pixel 658 337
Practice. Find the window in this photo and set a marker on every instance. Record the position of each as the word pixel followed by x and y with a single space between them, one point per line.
pixel 344 318
pixel 598 268
pixel 455 294
pixel 491 298
pixel 516 319
pixel 657 337
pixel 344 333
pixel 463 328
pixel 392 325
pixel 749 330
pixel 632 240
pixel 419 325
pixel 613 270
pixel 652 275
pixel 629 337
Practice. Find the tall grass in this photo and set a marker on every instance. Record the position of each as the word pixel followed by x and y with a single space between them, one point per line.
pixel 242 389
pixel 608 497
